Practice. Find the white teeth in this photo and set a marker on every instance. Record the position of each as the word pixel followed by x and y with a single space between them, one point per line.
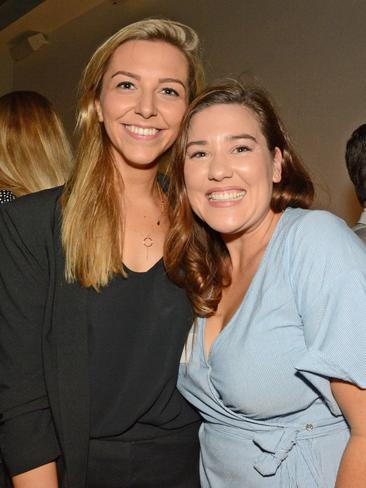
pixel 226 195
pixel 142 131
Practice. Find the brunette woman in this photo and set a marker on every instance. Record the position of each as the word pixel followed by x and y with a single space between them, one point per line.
pixel 278 363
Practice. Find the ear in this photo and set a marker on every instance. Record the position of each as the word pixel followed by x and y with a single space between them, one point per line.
pixel 98 109
pixel 277 165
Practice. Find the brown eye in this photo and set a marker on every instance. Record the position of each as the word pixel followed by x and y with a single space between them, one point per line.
pixel 170 91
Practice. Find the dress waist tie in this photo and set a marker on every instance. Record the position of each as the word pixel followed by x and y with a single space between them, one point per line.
pixel 276 441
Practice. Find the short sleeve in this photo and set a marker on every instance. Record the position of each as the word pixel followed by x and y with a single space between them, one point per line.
pixel 327 269
pixel 27 432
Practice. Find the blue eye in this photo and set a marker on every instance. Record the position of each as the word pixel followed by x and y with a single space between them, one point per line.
pixel 126 85
pixel 170 92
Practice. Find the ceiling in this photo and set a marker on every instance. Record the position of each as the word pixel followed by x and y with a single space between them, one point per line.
pixel 18 17
pixel 12 10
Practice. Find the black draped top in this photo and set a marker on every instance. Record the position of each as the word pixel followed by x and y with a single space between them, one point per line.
pixel 137 329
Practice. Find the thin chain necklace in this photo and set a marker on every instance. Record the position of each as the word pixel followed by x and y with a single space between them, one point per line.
pixel 148 240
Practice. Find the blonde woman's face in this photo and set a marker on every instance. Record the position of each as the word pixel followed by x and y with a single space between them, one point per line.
pixel 143 99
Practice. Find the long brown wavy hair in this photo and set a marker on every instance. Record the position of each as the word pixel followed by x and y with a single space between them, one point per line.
pixel 195 255
pixel 35 153
pixel 92 224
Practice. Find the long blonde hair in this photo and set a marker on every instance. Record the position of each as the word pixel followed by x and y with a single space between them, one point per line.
pixel 34 151
pixel 92 229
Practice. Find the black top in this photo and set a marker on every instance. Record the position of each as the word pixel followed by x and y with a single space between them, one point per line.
pixel 44 345
pixel 138 326
pixel 6 196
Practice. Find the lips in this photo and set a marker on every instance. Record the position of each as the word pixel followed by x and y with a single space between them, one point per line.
pixel 226 196
pixel 142 131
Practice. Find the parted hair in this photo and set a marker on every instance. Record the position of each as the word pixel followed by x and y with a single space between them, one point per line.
pixel 92 226
pixel 35 153
pixel 195 255
pixel 356 161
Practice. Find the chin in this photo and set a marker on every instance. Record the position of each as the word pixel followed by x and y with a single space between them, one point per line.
pixel 144 161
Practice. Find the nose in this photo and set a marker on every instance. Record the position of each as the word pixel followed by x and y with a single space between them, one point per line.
pixel 145 105
pixel 219 168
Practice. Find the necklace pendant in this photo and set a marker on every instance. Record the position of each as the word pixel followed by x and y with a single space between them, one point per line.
pixel 147 242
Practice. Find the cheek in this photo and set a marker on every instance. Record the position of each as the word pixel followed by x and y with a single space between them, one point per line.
pixel 192 186
pixel 175 115
pixel 195 202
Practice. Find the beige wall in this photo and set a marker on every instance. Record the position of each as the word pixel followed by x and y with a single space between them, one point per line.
pixel 309 54
pixel 6 73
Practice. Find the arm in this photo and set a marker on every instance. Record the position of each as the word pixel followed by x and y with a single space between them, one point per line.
pixel 43 477
pixel 352 401
pixel 28 438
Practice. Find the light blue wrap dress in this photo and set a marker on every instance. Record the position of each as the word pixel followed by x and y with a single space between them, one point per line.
pixel 270 419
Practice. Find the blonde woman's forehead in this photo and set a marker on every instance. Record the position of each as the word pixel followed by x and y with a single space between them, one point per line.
pixel 154 57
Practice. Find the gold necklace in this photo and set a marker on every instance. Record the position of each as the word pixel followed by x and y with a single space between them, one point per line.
pixel 148 240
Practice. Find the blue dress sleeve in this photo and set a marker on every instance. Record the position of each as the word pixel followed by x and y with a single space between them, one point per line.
pixel 327 270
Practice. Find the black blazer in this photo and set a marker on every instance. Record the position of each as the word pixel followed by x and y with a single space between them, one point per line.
pixel 50 398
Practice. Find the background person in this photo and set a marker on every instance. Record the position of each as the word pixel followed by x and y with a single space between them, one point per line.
pixel 91 329
pixel 278 365
pixel 356 165
pixel 35 153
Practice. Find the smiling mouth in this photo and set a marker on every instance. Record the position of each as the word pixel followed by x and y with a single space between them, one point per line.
pixel 226 196
pixel 142 131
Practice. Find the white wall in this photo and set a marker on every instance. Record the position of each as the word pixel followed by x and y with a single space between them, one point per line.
pixel 310 55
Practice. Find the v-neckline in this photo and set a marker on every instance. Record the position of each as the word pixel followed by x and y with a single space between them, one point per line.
pixel 207 354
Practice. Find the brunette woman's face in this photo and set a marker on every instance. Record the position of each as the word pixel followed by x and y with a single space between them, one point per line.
pixel 229 171
pixel 143 99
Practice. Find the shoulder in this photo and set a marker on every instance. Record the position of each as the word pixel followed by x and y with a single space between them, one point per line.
pixel 320 239
pixel 317 227
pixel 31 214
pixel 39 203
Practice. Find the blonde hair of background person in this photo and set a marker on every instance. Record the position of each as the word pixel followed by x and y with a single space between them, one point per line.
pixel 35 153
pixel 95 183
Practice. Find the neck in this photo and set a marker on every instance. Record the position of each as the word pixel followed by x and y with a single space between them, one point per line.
pixel 138 183
pixel 242 248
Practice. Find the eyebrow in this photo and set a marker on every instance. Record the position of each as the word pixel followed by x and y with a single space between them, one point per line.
pixel 137 77
pixel 126 73
pixel 229 138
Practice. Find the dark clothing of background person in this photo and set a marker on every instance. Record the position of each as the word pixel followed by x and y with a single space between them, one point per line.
pixel 6 196
pixel 46 410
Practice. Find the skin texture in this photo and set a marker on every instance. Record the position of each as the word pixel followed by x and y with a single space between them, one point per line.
pixel 352 401
pixel 138 90
pixel 43 477
pixel 227 155
pixel 146 86
pixel 217 161
pixel 228 152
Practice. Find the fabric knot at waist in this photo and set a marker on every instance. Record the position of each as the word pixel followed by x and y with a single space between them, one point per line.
pixel 275 441
pixel 275 446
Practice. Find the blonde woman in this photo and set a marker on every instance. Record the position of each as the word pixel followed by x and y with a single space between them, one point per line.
pixel 35 153
pixel 91 328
